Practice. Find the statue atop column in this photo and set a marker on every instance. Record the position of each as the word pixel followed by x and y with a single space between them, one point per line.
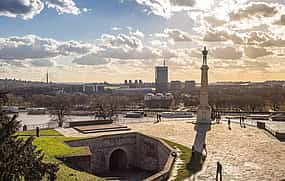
pixel 203 121
pixel 205 53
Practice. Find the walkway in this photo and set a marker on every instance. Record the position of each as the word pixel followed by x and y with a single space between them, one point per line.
pixel 247 154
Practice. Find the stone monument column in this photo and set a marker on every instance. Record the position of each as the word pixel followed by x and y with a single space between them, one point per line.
pixel 203 123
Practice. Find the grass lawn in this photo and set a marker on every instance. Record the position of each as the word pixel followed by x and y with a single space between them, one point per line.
pixel 51 142
pixel 183 171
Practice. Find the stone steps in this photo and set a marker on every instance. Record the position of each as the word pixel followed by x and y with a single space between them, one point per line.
pixel 101 128
pixel 106 130
pixel 89 122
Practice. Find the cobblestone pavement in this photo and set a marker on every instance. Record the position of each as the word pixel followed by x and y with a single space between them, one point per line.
pixel 246 154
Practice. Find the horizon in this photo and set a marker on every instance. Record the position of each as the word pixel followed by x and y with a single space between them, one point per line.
pixel 94 41
pixel 122 82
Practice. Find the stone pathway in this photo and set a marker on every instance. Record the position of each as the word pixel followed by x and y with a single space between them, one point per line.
pixel 177 165
pixel 246 154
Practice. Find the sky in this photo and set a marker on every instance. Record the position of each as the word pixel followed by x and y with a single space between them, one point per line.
pixel 114 40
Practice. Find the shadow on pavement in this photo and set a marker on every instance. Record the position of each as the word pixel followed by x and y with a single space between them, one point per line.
pixel 196 163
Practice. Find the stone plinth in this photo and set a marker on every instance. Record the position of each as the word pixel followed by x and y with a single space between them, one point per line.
pixel 204 115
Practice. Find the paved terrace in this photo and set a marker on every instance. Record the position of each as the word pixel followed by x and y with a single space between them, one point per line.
pixel 246 154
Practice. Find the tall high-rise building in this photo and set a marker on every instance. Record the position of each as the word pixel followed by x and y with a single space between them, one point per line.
pixel 161 78
pixel 47 80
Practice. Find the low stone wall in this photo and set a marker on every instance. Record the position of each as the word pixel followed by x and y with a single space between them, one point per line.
pixel 78 162
pixel 279 135
pixel 166 167
pixel 143 152
pixel 260 125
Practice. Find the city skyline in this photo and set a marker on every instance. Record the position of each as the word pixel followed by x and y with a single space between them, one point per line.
pixel 96 41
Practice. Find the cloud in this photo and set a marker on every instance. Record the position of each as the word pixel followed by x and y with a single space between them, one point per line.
pixel 63 6
pixel 42 63
pixel 194 53
pixel 137 33
pixel 212 20
pixel 36 50
pixel 264 39
pixel 34 47
pixel 177 35
pixel 116 28
pixel 222 35
pixel 133 53
pixel 226 53
pixel 255 52
pixel 278 42
pixel 257 37
pixel 281 21
pixel 260 38
pixel 166 8
pixel 72 46
pixel 27 9
pixel 254 9
pixel 22 8
pixel 90 59
pixel 15 63
pixel 256 65
pixel 158 43
pixel 129 46
pixel 168 53
pixel 121 40
pixel 86 10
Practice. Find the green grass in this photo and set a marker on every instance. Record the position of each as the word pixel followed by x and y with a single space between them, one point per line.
pixel 51 143
pixel 189 166
pixel 43 132
pixel 183 171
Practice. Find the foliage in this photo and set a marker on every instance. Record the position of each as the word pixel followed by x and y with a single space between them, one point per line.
pixel 52 144
pixel 19 158
pixel 247 98
pixel 60 107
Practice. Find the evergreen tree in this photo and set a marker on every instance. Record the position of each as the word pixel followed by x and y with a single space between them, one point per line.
pixel 19 158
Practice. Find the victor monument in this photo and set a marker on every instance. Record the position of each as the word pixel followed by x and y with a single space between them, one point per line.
pixel 203 123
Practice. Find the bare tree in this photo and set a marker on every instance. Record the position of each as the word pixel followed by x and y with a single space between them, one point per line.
pixel 60 107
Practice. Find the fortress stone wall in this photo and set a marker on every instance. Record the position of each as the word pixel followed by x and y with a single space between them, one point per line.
pixel 143 152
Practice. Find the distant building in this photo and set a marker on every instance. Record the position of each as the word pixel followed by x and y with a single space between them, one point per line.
pixel 91 88
pixel 158 100
pixel 135 84
pixel 99 88
pixel 161 78
pixel 141 83
pixel 189 85
pixel 132 91
pixel 175 86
